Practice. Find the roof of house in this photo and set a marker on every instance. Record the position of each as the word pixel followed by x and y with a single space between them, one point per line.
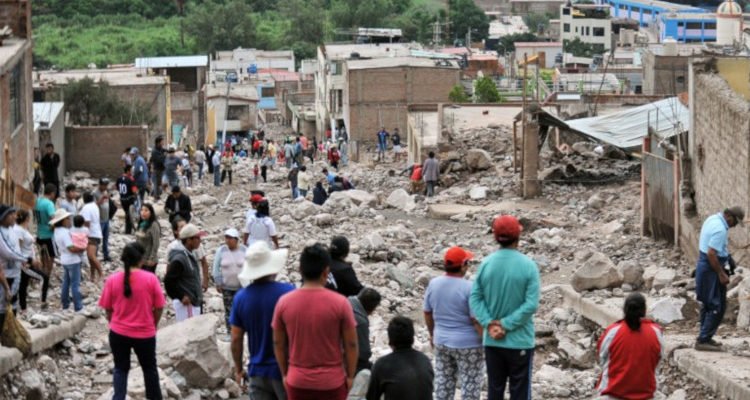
pixel 172 62
pixel 248 92
pixel 395 62
pixel 45 113
pixel 342 51
pixel 124 76
pixel 10 48
pixel 537 44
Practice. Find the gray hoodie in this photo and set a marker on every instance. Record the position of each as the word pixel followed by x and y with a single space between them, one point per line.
pixel 183 276
pixel 363 334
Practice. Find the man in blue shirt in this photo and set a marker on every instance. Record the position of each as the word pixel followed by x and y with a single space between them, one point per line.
pixel 711 278
pixel 504 299
pixel 382 143
pixel 252 313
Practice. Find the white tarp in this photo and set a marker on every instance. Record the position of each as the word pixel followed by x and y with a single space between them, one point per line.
pixel 626 129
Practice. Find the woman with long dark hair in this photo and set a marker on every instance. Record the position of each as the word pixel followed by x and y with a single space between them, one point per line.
pixel 629 352
pixel 134 303
pixel 260 227
pixel 147 234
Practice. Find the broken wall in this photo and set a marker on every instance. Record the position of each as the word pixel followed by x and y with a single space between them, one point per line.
pixel 721 159
pixel 97 149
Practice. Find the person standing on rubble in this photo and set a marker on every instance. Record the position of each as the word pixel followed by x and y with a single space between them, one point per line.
pixel 228 263
pixel 629 352
pixel 504 299
pixel 431 173
pixel 382 143
pixel 158 157
pixel 712 275
pixel 183 279
pixel 50 163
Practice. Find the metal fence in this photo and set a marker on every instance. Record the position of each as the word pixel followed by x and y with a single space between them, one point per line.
pixel 659 195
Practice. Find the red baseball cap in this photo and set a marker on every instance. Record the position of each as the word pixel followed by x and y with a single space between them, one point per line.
pixel 457 256
pixel 256 198
pixel 506 227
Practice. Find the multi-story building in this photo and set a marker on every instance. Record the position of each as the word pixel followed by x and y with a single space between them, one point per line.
pixel 329 76
pixel 16 95
pixel 590 23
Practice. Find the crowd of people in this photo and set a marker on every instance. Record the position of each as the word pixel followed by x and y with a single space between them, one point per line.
pixel 312 340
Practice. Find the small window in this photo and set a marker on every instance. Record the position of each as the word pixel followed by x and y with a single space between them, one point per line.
pixel 680 24
pixel 635 10
pixel 646 11
pixel 680 79
pixel 16 97
pixel 588 31
pixel 694 25
pixel 598 31
pixel 566 27
pixel 710 25
pixel 566 11
pixel 266 92
pixel 236 112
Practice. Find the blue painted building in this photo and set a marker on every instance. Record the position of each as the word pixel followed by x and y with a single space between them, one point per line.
pixel 266 93
pixel 681 22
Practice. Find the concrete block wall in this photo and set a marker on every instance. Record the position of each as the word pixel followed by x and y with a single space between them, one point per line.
pixel 21 138
pixel 721 161
pixel 97 149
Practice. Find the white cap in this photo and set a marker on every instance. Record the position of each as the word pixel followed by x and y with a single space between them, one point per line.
pixel 231 232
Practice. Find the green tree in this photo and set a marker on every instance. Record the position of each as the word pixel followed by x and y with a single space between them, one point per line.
pixel 359 13
pixel 458 95
pixel 416 24
pixel 538 22
pixel 508 42
pixel 221 26
pixel 485 91
pixel 581 49
pixel 89 103
pixel 307 20
pixel 466 15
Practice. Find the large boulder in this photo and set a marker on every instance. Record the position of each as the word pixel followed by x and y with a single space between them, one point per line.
pixel 478 159
pixel 190 348
pixel 338 201
pixel 667 310
pixel 632 273
pixel 598 272
pixel 663 278
pixel 372 241
pixel 361 198
pixel 204 200
pixel 402 200
pixel 304 209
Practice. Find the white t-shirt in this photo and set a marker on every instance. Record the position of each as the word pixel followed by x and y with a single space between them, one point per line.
pixel 260 229
pixel 90 214
pixel 25 240
pixel 249 214
pixel 62 242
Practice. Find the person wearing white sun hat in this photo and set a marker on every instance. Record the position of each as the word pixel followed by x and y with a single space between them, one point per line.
pixel 252 312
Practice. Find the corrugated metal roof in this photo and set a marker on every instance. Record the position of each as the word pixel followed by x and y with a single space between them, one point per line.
pixel 46 113
pixel 172 62
pixel 626 129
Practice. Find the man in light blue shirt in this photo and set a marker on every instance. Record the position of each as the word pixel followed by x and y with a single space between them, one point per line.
pixel 711 278
pixel 504 298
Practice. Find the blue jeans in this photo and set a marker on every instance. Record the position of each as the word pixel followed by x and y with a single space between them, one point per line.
pixel 295 192
pixel 303 192
pixel 217 176
pixel 712 295
pixel 72 282
pixel 105 239
pixel 200 170
pixel 145 350
pixel 430 188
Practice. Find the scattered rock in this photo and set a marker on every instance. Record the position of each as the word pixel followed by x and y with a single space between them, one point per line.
pixel 667 310
pixel 361 198
pixel 478 192
pixel 598 272
pixel 478 159
pixel 595 202
pixel 402 200
pixel 324 219
pixel 663 277
pixel 632 273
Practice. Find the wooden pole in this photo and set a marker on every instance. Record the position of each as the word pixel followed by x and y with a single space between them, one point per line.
pixel 644 198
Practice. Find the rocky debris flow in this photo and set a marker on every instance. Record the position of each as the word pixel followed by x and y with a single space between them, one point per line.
pixel 597 272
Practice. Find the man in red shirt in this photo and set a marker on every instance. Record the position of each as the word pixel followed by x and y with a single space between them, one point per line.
pixel 311 326
pixel 629 353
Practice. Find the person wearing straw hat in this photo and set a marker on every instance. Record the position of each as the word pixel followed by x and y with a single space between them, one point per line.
pixel 252 313
pixel 228 263
pixel 183 279
pixel 71 258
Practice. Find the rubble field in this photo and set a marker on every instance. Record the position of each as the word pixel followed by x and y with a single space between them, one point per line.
pixel 583 234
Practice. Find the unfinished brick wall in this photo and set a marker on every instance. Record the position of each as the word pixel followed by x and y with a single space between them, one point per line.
pixel 20 139
pixel 721 158
pixel 97 149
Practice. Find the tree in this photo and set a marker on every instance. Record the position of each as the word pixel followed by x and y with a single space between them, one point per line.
pixel 465 15
pixel 508 42
pixel 581 49
pixel 307 20
pixel 538 22
pixel 485 91
pixel 458 95
pixel 221 26
pixel 359 13
pixel 89 103
pixel 416 24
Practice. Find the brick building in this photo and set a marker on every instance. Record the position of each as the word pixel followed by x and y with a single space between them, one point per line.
pixel 719 146
pixel 378 91
pixel 97 149
pixel 16 95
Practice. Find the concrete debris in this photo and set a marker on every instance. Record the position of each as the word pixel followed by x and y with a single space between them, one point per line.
pixel 632 273
pixel 361 198
pixel 478 192
pixel 667 310
pixel 402 200
pixel 598 272
pixel 478 159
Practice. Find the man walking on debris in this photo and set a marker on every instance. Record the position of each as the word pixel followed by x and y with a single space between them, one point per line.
pixel 712 272
pixel 127 190
pixel 382 143
pixel 504 299
pixel 158 156
pixel 140 172
pixel 431 173
pixel 364 304
pixel 183 279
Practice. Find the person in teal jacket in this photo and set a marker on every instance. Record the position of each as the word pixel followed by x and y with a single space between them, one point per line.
pixel 504 299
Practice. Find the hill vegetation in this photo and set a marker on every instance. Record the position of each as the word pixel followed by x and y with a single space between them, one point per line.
pixel 76 33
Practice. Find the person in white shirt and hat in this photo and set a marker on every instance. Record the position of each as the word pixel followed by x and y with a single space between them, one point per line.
pixel 228 262
pixel 252 313
pixel 71 258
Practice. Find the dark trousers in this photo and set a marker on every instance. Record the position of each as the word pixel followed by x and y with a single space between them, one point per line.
pixel 128 218
pixel 145 350
pixel 105 240
pixel 224 174
pixel 24 287
pixel 712 295
pixel 263 172
pixel 505 365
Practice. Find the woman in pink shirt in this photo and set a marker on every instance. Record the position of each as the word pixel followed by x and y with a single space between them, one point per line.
pixel 134 303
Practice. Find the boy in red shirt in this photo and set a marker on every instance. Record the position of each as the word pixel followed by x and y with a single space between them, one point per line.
pixel 629 352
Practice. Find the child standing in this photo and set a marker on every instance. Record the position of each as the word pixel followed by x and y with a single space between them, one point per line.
pixel 80 236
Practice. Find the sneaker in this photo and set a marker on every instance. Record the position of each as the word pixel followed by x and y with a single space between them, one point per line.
pixel 715 343
pixel 707 346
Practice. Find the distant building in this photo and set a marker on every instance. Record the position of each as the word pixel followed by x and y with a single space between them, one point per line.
pixel 245 63
pixel 329 76
pixel 590 23
pixel 526 7
pixel 16 95
pixel 665 67
pixel 683 23
pixel 187 75
pixel 377 92
pixel 729 21
pixel 238 106
pixel 547 52
pixel 647 12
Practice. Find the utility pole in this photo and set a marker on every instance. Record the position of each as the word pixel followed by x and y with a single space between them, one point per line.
pixel 468 38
